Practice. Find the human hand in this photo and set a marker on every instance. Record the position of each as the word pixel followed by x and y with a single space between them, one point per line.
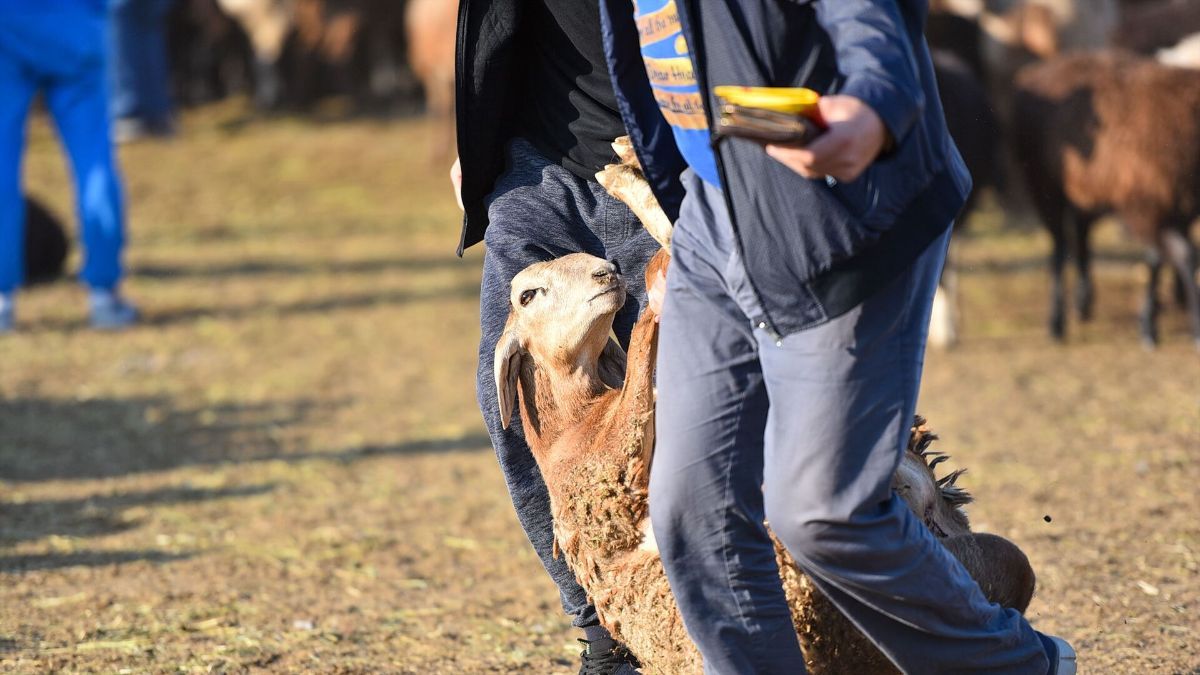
pixel 854 138
pixel 656 293
pixel 456 181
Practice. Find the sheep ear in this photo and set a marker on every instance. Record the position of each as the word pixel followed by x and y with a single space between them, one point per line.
pixel 612 364
pixel 507 367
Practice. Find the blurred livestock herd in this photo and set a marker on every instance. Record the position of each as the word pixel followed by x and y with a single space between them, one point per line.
pixel 289 54
pixel 1078 109
pixel 1074 109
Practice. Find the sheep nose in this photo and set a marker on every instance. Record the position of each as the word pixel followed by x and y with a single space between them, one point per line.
pixel 605 272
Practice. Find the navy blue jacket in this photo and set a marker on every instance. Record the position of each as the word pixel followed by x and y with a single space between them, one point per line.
pixel 815 250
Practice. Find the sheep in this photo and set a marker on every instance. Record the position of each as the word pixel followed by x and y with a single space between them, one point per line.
pixel 587 409
pixel 267 23
pixel 1113 133
pixel 1186 54
pixel 1149 26
pixel 592 437
pixel 209 53
pixel 431 27
pixel 305 49
pixel 46 244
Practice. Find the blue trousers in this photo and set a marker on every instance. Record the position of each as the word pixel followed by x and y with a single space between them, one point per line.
pixel 61 53
pixel 137 67
pixel 540 211
pixel 804 435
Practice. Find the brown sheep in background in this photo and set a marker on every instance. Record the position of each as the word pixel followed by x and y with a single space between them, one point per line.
pixel 432 27
pixel 1156 24
pixel 307 49
pixel 209 53
pixel 266 23
pixel 347 47
pixel 1113 133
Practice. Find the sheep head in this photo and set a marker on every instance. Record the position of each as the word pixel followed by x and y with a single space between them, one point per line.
pixel 560 316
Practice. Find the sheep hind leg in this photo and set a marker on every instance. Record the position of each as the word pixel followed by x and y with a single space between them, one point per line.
pixel 1084 294
pixel 1181 253
pixel 1179 292
pixel 1148 319
pixel 1058 259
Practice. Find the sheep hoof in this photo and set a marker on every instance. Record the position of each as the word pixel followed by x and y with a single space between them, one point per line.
pixel 623 146
pixel 1058 333
pixel 1084 302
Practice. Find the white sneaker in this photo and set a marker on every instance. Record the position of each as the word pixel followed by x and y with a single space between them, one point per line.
pixel 1062 659
pixel 7 320
pixel 110 311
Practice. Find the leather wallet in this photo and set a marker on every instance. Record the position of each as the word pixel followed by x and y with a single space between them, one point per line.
pixel 764 126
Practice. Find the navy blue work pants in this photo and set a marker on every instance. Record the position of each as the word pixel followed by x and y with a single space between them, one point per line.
pixel 804 433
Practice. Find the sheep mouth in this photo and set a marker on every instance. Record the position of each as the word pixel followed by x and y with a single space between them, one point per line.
pixel 611 289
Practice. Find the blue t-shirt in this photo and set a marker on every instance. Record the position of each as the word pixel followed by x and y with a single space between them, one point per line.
pixel 673 79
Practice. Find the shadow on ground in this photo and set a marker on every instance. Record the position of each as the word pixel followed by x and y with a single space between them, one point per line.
pixel 292 268
pixel 385 298
pixel 53 439
pixel 100 515
pixel 316 305
pixel 54 561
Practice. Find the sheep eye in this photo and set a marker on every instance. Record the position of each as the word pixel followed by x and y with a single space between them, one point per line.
pixel 528 295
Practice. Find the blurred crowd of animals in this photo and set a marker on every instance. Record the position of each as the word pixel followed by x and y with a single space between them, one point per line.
pixel 1071 110
pixel 383 55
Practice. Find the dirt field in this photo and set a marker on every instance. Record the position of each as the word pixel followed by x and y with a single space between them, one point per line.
pixel 284 469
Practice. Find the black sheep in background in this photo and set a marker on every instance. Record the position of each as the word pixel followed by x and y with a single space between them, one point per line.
pixel 973 126
pixel 46 244
pixel 971 121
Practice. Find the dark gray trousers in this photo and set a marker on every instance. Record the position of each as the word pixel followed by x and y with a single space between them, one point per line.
pixel 539 211
pixel 805 434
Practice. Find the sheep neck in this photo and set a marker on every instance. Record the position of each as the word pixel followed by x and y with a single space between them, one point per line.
pixel 555 394
pixel 597 468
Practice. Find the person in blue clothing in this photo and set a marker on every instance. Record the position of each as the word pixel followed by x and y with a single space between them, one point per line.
pixel 138 70
pixel 57 47
pixel 793 330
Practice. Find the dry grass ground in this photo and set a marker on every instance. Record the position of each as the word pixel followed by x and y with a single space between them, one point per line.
pixel 283 469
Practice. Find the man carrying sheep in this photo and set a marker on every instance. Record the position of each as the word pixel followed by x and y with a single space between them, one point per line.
pixel 536 114
pixel 793 331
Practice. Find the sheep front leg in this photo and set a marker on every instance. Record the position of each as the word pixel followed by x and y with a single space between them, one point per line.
pixel 626 182
pixel 1083 267
pixel 1182 255
pixel 1058 259
pixel 636 406
pixel 1148 319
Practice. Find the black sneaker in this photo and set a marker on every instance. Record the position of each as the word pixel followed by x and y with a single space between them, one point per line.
pixel 606 657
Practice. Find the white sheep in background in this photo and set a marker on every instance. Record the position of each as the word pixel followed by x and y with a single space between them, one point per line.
pixel 1186 54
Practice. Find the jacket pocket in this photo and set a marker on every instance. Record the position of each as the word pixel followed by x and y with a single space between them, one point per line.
pixel 890 183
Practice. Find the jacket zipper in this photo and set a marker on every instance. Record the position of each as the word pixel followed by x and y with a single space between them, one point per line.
pixel 460 97
pixel 768 324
